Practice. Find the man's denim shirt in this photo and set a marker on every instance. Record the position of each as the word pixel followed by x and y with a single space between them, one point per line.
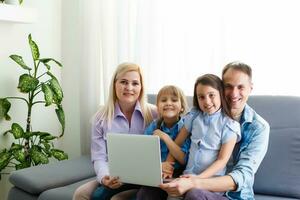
pixel 248 153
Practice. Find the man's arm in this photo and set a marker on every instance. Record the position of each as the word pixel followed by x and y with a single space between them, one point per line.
pixel 180 186
pixel 251 155
pixel 215 184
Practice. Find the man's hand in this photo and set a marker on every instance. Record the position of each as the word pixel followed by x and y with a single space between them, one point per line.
pixel 111 182
pixel 187 175
pixel 177 187
pixel 167 169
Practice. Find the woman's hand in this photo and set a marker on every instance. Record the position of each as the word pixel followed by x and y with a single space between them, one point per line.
pixel 167 169
pixel 111 182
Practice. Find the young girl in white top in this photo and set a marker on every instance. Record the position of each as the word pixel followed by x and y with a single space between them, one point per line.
pixel 212 130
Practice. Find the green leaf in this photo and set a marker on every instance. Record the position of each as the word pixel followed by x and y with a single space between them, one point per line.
pixel 15 147
pixel 58 93
pixel 27 83
pixel 59 154
pixel 46 145
pixel 2 152
pixel 17 131
pixel 19 60
pixel 7 118
pixel 48 94
pixel 44 158
pixel 38 157
pixel 46 60
pixel 4 108
pixel 34 48
pixel 49 137
pixel 4 159
pixel 19 155
pixel 47 66
pixel 61 117
pixel 28 135
pixel 23 165
pixel 34 154
pixel 43 134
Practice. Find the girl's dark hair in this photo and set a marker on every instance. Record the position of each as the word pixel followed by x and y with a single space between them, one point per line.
pixel 175 91
pixel 215 82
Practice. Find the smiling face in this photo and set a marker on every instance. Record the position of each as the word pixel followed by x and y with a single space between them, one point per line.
pixel 169 107
pixel 238 87
pixel 128 88
pixel 209 99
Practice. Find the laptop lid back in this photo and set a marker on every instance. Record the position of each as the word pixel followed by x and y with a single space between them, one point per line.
pixel 135 158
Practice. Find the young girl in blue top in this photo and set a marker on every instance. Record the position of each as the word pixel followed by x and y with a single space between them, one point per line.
pixel 212 131
pixel 171 104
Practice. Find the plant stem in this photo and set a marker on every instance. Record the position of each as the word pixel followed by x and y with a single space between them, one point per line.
pixel 28 126
pixel 37 92
pixel 41 75
pixel 17 98
pixel 38 102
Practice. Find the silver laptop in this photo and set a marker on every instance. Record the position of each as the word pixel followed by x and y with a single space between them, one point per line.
pixel 135 158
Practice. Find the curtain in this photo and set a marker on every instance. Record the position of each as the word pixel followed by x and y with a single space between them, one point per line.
pixel 176 41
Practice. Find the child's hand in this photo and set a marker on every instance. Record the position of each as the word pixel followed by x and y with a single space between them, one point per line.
pixel 160 134
pixel 167 169
pixel 111 182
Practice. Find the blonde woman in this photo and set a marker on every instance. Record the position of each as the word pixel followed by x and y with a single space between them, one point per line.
pixel 125 111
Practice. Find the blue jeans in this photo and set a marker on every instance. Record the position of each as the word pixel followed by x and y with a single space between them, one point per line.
pixel 198 194
pixel 151 193
pixel 105 193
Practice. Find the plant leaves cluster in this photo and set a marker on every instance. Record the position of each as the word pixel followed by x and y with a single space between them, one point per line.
pixel 33 147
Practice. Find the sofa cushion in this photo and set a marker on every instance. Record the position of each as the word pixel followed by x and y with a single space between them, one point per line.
pixel 279 171
pixel 270 197
pixel 17 194
pixel 63 193
pixel 43 177
pixel 278 111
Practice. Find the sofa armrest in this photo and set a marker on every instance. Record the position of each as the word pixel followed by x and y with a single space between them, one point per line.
pixel 37 179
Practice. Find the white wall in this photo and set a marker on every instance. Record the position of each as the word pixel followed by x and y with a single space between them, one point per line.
pixel 13 39
pixel 71 75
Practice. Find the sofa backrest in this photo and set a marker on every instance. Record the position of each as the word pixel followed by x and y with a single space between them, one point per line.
pixel 279 173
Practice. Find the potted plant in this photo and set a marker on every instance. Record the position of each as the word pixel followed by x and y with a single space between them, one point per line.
pixel 33 147
pixel 13 2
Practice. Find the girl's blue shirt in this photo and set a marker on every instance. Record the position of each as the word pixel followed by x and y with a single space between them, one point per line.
pixel 172 132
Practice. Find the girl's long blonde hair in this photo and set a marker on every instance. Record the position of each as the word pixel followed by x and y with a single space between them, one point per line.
pixel 106 113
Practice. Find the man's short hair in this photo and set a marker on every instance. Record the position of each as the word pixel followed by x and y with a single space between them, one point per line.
pixel 236 65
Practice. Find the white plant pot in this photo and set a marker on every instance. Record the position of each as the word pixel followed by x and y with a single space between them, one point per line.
pixel 13 2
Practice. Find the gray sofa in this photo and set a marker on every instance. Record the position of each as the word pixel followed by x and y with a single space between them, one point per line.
pixel 277 178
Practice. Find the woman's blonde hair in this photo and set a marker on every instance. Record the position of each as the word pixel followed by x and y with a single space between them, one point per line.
pixel 107 112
